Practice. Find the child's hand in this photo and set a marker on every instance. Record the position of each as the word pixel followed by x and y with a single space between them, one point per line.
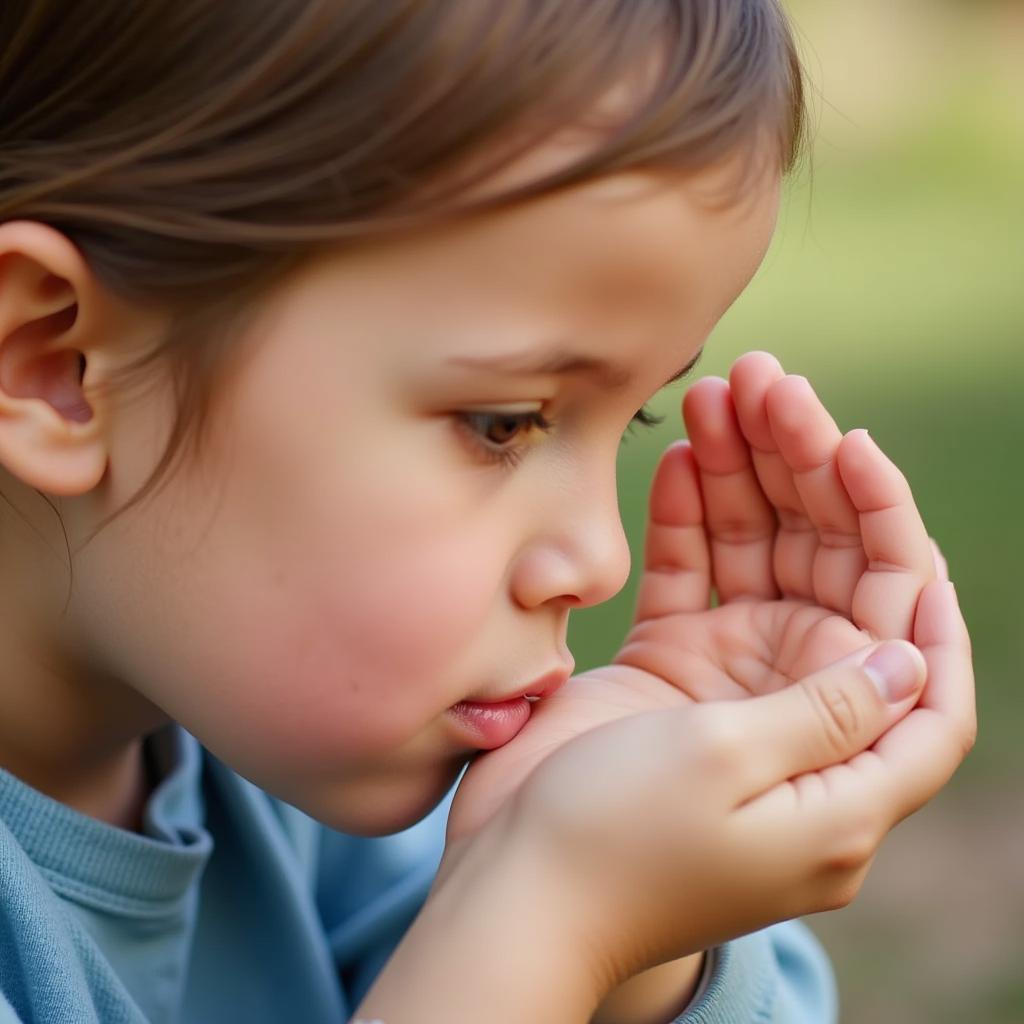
pixel 657 835
pixel 663 833
pixel 811 541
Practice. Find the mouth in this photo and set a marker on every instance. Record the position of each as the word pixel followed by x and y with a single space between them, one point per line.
pixel 491 723
pixel 543 686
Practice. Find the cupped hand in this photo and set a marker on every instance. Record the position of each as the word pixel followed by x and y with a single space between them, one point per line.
pixel 659 834
pixel 775 546
pixel 809 540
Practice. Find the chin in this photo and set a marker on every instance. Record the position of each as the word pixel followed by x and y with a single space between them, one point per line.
pixel 382 806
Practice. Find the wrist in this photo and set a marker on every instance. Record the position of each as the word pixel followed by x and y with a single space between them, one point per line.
pixel 654 996
pixel 495 917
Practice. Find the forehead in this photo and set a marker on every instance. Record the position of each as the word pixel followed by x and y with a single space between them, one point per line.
pixel 650 249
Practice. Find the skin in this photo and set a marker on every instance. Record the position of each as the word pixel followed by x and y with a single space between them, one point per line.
pixel 347 450
pixel 292 673
pixel 837 560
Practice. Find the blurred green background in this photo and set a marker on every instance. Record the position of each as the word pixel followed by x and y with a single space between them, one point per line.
pixel 896 284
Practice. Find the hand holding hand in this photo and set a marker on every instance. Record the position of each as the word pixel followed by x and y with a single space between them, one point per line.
pixel 811 542
pixel 662 833
pixel 684 816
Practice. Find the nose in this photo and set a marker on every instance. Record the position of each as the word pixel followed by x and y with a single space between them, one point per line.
pixel 578 555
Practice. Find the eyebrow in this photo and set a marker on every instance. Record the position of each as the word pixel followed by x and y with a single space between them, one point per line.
pixel 562 362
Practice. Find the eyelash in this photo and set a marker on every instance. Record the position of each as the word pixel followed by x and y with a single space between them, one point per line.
pixel 646 418
pixel 476 426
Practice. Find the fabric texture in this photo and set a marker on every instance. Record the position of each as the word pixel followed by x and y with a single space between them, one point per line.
pixel 232 905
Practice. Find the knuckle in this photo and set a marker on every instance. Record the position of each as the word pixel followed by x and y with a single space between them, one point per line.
pixel 853 845
pixel 840 893
pixel 718 743
pixel 740 532
pixel 836 707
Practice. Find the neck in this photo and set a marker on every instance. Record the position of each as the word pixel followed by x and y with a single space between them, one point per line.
pixel 67 728
pixel 114 791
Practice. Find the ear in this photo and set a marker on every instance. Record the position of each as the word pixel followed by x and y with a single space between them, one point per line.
pixel 53 338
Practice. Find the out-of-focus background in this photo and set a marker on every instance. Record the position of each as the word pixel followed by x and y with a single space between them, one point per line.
pixel 896 284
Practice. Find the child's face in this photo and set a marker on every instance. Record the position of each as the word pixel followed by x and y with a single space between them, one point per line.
pixel 376 530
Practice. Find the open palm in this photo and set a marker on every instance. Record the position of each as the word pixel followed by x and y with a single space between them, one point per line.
pixel 807 542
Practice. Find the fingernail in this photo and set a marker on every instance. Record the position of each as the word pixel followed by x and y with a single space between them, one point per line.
pixel 896 668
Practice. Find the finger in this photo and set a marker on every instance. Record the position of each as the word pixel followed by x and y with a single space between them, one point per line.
pixel 818 844
pixel 677 563
pixel 796 542
pixel 898 550
pixel 922 752
pixel 740 521
pixel 941 565
pixel 749 380
pixel 825 718
pixel 842 811
pixel 808 439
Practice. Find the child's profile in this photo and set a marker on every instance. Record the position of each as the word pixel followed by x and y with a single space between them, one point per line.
pixel 320 325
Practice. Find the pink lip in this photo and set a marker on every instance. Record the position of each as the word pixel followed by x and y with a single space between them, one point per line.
pixel 543 686
pixel 492 723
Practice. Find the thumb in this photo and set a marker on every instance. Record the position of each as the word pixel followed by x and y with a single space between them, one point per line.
pixel 830 716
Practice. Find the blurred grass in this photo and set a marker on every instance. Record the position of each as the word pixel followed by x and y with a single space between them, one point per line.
pixel 895 284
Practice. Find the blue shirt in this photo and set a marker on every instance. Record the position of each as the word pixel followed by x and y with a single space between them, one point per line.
pixel 232 905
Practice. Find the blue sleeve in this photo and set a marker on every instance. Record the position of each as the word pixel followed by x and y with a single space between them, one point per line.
pixel 7 1014
pixel 777 976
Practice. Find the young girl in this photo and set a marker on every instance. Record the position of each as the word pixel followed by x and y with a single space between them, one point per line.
pixel 320 323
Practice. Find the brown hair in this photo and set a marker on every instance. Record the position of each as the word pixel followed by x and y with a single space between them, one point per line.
pixel 198 150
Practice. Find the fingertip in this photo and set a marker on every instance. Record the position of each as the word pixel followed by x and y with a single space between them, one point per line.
pixel 872 478
pixel 708 411
pixel 679 457
pixel 857 445
pixel 760 355
pixel 756 363
pixel 710 385
pixel 853 449
pixel 789 384
pixel 675 488
pixel 941 565
pixel 939 618
pixel 750 378
pixel 897 670
pixel 784 397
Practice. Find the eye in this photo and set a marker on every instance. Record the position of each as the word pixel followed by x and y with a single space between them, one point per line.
pixel 644 418
pixel 499 435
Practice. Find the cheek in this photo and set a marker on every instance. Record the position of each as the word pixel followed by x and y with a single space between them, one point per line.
pixel 298 599
pixel 393 635
pixel 362 629
pixel 381 584
pixel 311 656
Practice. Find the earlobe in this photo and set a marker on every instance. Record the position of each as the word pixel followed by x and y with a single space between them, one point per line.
pixel 51 436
